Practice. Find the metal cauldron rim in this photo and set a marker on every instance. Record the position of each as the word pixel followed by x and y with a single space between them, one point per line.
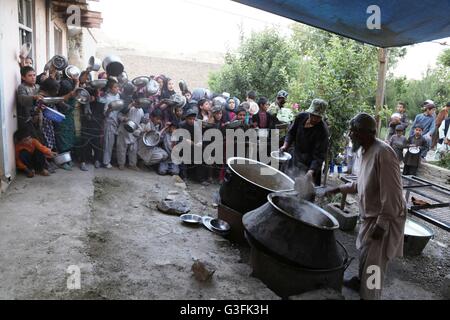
pixel 328 215
pixel 262 164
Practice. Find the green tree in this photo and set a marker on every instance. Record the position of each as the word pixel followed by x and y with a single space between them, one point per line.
pixel 336 69
pixel 434 85
pixel 444 58
pixel 265 62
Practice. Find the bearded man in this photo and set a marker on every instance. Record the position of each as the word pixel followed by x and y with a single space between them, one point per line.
pixel 382 207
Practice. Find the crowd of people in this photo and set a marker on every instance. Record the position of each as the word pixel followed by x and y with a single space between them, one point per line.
pixel 428 131
pixel 98 131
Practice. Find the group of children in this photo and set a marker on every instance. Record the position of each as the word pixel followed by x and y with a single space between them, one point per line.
pixel 99 131
pixel 416 145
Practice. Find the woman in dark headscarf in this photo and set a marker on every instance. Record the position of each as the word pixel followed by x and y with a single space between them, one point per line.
pixel 167 89
pixel 65 130
pixel 230 109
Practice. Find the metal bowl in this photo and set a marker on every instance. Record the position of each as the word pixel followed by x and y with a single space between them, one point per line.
pixel 144 101
pixel 131 126
pixel 72 72
pixel 151 139
pixel 234 124
pixel 82 96
pixel 62 158
pixel 117 105
pixel 141 81
pixel 414 150
pixel 94 64
pixel 52 100
pixel 220 225
pixel 191 218
pixel 152 87
pixel 98 84
pixel 113 65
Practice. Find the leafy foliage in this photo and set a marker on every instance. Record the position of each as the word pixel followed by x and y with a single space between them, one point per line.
pixel 265 62
pixel 444 58
pixel 435 85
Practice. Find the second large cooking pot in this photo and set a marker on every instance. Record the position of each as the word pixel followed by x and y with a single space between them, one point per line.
pixel 248 182
pixel 296 231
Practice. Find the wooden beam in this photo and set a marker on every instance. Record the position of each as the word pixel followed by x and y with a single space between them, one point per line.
pixel 381 87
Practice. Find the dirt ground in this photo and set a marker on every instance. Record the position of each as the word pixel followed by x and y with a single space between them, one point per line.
pixel 106 223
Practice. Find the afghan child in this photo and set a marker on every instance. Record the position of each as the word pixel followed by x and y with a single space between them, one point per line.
pixel 204 110
pixel 152 155
pixel 398 142
pixel 412 160
pixel 230 109
pixel 263 119
pixel 91 121
pixel 27 97
pixel 167 167
pixel 31 154
pixel 127 144
pixel 176 115
pixel 189 169
pixel 111 125
pixel 216 121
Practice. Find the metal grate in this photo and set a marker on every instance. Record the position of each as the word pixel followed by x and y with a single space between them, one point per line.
pixel 437 210
pixel 438 198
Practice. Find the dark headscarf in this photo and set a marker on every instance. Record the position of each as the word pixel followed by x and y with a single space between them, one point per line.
pixel 166 93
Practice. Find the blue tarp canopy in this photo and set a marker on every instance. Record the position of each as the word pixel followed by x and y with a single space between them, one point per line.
pixel 403 22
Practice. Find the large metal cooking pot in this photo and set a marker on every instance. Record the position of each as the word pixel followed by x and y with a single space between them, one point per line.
pixel 113 65
pixel 298 231
pixel 287 279
pixel 94 64
pixel 248 182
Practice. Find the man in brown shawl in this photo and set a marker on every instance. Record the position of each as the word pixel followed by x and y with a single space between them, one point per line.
pixel 382 207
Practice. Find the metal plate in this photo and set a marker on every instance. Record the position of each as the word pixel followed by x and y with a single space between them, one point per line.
pixel 207 223
pixel 414 150
pixel 220 225
pixel 191 218
pixel 281 157
pixel 52 100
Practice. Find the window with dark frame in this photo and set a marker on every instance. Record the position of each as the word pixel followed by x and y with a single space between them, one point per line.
pixel 58 34
pixel 25 16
